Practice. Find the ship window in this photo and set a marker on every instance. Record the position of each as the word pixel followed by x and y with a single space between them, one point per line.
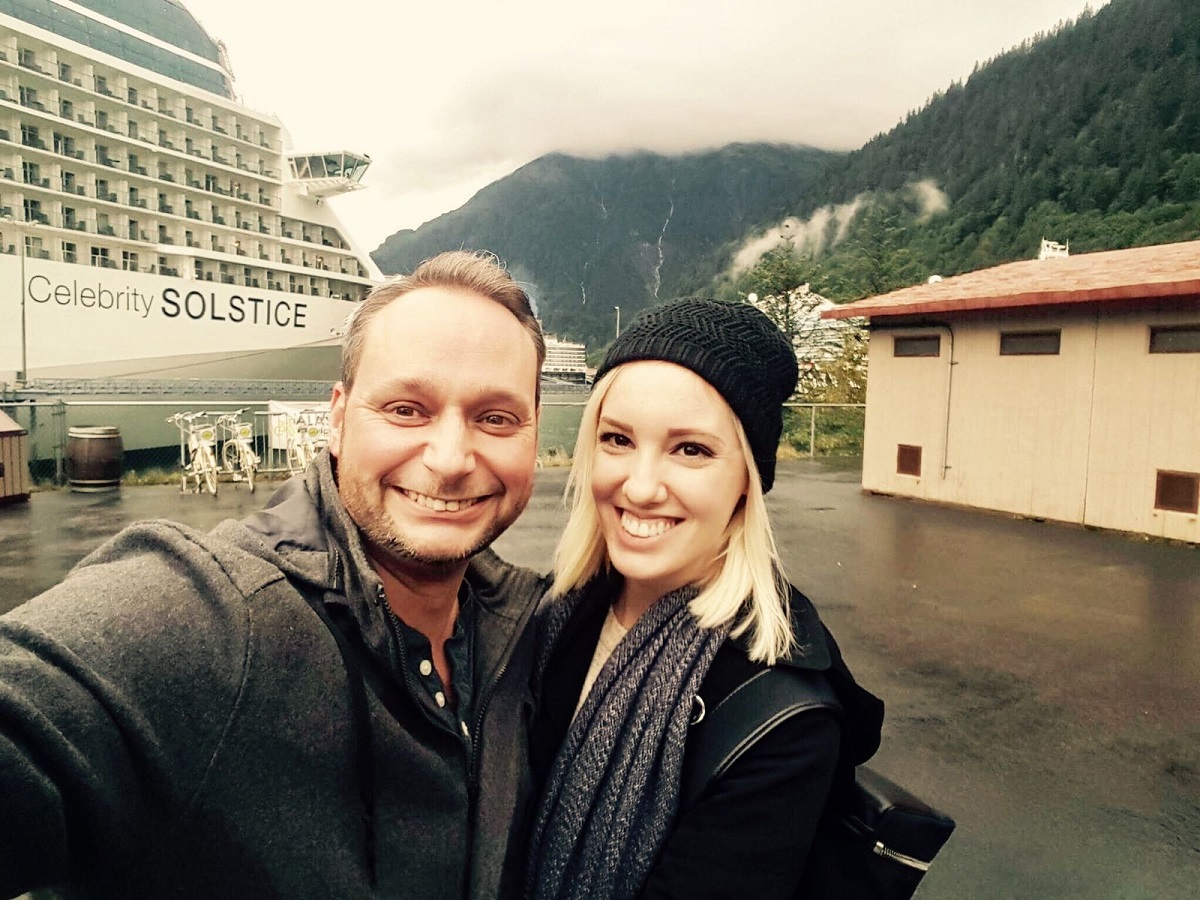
pixel 1030 343
pixel 129 260
pixel 1175 339
pixel 69 252
pixel 917 345
pixel 1177 492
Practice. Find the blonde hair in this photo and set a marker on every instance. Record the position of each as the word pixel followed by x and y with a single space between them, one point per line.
pixel 749 589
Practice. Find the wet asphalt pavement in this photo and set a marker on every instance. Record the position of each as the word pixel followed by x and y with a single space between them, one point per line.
pixel 1042 680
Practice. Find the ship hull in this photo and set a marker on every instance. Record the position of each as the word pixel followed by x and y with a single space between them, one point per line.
pixel 62 320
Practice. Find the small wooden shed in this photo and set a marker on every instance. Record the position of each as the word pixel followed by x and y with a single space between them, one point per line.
pixel 15 483
pixel 1065 388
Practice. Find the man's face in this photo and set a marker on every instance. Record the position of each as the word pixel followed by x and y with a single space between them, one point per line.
pixel 437 440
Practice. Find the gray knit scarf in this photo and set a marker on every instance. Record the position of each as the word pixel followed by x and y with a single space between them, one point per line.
pixel 611 796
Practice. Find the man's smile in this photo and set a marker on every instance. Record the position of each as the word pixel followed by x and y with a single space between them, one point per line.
pixel 437 504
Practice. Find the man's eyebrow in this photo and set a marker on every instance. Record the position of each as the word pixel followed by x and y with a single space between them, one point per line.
pixel 424 386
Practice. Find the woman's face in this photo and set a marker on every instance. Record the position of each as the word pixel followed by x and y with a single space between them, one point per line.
pixel 668 475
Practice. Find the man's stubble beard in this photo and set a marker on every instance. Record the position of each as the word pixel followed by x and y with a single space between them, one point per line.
pixel 381 533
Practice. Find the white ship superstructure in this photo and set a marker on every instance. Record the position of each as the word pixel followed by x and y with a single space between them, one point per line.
pixel 150 223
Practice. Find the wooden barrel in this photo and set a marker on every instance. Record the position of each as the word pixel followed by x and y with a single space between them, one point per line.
pixel 95 458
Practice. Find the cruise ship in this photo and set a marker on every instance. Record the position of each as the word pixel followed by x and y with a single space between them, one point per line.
pixel 151 225
pixel 566 362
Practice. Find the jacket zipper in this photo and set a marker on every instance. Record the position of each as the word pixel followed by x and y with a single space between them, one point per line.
pixel 897 857
pixel 486 697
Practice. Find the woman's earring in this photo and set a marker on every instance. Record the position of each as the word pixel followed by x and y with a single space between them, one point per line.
pixel 698 710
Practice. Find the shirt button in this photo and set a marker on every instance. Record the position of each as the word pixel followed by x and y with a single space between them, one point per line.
pixel 426 667
pixel 466 730
pixel 440 698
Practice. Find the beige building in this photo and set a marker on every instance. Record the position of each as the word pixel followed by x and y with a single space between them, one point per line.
pixel 1064 388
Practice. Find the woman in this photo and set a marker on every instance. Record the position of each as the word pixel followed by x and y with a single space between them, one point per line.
pixel 668 593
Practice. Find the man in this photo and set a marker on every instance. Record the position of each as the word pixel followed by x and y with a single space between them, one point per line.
pixel 330 698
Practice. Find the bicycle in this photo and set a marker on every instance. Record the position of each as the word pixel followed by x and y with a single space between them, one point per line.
pixel 197 450
pixel 309 435
pixel 237 447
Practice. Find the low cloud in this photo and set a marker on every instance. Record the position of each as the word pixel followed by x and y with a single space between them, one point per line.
pixel 827 226
pixel 824 228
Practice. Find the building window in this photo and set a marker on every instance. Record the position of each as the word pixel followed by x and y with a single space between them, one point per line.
pixel 1177 492
pixel 917 345
pixel 1030 343
pixel 1175 338
pixel 908 460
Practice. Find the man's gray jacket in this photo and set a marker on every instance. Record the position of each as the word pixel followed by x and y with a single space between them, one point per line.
pixel 177 720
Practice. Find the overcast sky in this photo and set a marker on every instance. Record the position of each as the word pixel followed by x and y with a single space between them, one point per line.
pixel 447 98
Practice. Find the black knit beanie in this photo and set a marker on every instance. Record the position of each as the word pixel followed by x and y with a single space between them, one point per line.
pixel 733 347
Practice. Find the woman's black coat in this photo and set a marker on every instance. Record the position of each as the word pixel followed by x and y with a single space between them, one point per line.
pixel 748 834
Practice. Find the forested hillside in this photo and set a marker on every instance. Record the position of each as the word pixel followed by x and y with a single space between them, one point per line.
pixel 1089 135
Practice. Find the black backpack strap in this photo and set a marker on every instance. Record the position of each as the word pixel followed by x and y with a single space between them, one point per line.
pixel 731 725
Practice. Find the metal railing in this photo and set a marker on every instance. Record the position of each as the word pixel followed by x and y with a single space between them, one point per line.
pixel 151 447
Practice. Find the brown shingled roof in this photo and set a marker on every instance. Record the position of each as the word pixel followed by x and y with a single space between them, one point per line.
pixel 1168 270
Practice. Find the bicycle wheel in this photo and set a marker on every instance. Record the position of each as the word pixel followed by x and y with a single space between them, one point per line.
pixel 249 467
pixel 209 464
pixel 230 453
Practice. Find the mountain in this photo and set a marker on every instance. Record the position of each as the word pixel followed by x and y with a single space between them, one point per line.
pixel 628 230
pixel 1089 134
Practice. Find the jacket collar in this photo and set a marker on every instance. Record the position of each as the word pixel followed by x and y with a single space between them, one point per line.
pixel 318 545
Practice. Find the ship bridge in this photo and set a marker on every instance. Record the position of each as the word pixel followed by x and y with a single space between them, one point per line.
pixel 323 175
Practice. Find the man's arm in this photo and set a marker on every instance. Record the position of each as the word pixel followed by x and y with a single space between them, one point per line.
pixel 114 688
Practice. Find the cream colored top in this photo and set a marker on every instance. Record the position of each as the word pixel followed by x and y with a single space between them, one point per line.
pixel 611 634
